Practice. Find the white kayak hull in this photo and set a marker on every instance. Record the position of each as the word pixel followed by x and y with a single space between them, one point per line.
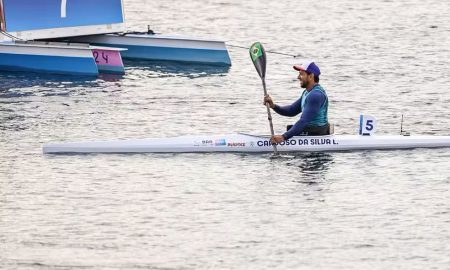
pixel 249 144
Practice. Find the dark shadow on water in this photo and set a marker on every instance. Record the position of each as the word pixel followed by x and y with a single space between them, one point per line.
pixel 110 77
pixel 17 80
pixel 176 69
pixel 312 166
pixel 148 69
pixel 23 84
pixel 311 162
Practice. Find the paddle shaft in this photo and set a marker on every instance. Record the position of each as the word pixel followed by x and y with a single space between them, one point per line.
pixel 258 56
pixel 269 115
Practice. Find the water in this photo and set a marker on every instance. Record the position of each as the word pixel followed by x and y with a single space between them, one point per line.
pixel 351 210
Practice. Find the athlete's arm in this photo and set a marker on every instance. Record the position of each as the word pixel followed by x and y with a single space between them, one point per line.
pixel 289 110
pixel 313 104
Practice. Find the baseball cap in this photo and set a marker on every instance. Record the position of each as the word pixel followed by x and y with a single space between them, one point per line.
pixel 308 66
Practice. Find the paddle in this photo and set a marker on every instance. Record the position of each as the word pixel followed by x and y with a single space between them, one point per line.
pixel 258 56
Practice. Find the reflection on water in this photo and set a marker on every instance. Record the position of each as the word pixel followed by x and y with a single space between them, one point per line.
pixel 18 84
pixel 110 77
pixel 160 69
pixel 11 121
pixel 24 96
pixel 313 165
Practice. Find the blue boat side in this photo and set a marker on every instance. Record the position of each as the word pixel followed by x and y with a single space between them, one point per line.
pixel 193 55
pixel 48 63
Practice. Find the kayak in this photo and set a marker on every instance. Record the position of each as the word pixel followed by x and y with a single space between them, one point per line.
pixel 246 143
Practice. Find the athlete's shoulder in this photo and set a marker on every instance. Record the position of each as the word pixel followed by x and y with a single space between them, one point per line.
pixel 317 94
pixel 319 88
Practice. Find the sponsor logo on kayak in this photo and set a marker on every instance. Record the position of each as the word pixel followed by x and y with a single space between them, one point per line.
pixel 207 142
pixel 318 141
pixel 220 142
pixel 236 144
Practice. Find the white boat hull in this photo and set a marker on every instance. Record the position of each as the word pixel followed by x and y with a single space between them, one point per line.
pixel 249 144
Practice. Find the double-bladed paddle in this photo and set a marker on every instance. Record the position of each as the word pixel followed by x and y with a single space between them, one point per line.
pixel 258 56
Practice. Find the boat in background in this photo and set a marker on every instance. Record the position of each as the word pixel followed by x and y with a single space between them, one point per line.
pixel 25 37
pixel 54 58
pixel 60 58
pixel 21 27
pixel 34 20
pixel 151 46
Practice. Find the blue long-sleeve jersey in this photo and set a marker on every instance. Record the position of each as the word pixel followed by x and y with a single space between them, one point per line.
pixel 313 105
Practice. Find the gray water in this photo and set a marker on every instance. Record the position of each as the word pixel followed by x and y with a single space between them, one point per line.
pixel 348 210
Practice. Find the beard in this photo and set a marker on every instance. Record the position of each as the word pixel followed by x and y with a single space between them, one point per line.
pixel 303 84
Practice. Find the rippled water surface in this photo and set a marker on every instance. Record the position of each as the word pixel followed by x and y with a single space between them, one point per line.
pixel 350 210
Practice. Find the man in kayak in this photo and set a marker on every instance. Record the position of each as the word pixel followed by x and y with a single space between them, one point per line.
pixel 313 104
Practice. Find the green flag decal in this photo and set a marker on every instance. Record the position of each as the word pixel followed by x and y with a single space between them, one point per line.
pixel 255 51
pixel 258 56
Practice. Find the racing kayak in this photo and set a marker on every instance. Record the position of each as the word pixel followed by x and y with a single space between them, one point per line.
pixel 247 143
